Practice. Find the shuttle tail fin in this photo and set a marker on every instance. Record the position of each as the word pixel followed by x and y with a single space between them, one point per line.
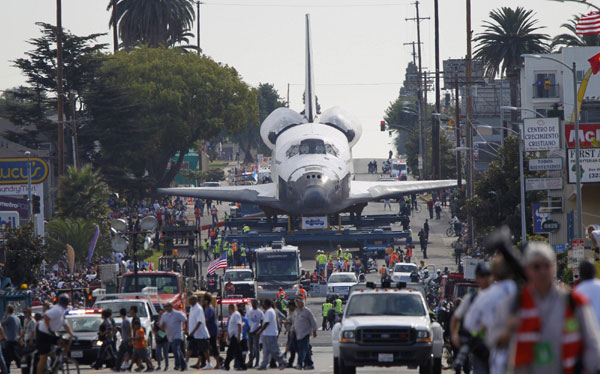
pixel 309 90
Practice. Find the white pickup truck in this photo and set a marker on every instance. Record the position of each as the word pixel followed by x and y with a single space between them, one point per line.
pixel 387 327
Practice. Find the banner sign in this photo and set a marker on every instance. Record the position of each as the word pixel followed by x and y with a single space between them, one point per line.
pixel 543 164
pixel 589 135
pixel 314 223
pixel 535 184
pixel 14 204
pixel 589 163
pixel 10 219
pixel 14 170
pixel 541 134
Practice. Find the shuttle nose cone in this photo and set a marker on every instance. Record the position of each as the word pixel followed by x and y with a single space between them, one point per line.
pixel 315 197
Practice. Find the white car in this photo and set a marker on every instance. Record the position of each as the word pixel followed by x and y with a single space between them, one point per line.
pixel 402 271
pixel 386 327
pixel 145 311
pixel 340 284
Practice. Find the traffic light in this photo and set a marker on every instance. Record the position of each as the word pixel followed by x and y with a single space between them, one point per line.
pixel 382 125
pixel 390 134
pixel 447 100
pixel 36 204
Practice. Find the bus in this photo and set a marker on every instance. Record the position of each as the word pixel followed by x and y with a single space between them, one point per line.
pixel 277 266
pixel 399 170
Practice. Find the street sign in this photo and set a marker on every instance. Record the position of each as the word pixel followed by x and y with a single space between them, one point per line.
pixel 560 248
pixel 577 253
pixel 589 135
pixel 14 170
pixel 535 184
pixel 543 164
pixel 541 134
pixel 550 226
pixel 9 219
pixel 589 163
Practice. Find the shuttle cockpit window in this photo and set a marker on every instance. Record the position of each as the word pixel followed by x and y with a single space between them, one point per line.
pixel 312 147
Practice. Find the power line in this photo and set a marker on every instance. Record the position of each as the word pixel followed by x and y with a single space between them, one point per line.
pixel 364 5
pixel 352 84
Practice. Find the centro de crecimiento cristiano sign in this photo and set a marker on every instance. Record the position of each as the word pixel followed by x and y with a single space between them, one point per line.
pixel 541 134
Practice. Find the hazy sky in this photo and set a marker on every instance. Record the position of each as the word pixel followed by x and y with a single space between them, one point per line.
pixel 358 48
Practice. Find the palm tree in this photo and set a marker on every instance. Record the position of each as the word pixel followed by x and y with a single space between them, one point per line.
pixel 82 194
pixel 511 33
pixel 153 22
pixel 571 39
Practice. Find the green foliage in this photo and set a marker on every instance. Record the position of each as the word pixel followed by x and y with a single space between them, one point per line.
pixel 399 119
pixel 153 22
pixel 76 232
pixel 24 252
pixel 572 39
pixel 510 34
pixel 497 197
pixel 249 139
pixel 153 103
pixel 29 107
pixel 82 194
pixel 210 175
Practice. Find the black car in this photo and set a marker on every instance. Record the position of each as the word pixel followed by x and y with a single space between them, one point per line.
pixel 85 324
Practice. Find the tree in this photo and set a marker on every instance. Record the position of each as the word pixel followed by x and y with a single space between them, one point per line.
pixel 76 232
pixel 511 33
pixel 30 106
pixel 399 118
pixel 497 198
pixel 82 195
pixel 24 251
pixel 153 22
pixel 151 104
pixel 571 39
pixel 268 100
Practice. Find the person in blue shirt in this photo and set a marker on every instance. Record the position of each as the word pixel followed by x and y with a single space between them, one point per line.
pixel 213 329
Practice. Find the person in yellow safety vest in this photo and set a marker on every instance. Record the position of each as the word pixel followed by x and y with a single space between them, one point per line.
pixel 348 255
pixel 301 292
pixel 246 229
pixel 338 304
pixel 243 255
pixel 220 243
pixel 216 251
pixel 325 308
pixel 321 262
pixel 205 250
pixel 339 251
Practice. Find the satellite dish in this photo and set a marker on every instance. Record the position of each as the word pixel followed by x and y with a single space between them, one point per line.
pixel 119 224
pixel 119 244
pixel 148 223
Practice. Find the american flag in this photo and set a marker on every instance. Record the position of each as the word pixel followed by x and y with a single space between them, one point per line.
pixel 216 264
pixel 589 24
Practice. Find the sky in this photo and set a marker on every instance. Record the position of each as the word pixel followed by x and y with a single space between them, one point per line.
pixel 358 45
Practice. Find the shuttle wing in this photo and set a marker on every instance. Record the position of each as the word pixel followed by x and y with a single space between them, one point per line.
pixel 262 194
pixel 365 191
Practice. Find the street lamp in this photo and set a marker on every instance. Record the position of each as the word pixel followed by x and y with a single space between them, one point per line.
pixel 29 200
pixel 573 70
pixel 119 243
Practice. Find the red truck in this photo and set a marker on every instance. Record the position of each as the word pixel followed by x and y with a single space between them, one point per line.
pixel 169 285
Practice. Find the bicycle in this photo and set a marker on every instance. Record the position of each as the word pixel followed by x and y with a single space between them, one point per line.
pixel 450 230
pixel 58 359
pixel 416 207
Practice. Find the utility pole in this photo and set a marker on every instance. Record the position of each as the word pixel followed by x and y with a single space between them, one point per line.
pixel 469 125
pixel 414 53
pixel 418 20
pixel 457 132
pixel 75 141
pixel 59 88
pixel 198 26
pixel 288 96
pixel 435 125
pixel 115 31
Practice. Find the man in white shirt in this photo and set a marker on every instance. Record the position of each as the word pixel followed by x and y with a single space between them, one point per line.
pixel 198 334
pixel 234 331
pixel 590 286
pixel 54 320
pixel 594 235
pixel 268 330
pixel 255 317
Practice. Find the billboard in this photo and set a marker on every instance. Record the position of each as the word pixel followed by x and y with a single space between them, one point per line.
pixel 589 135
pixel 315 223
pixel 589 162
pixel 541 134
pixel 14 170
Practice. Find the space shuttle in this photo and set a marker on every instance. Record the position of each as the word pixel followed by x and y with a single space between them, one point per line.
pixel 312 168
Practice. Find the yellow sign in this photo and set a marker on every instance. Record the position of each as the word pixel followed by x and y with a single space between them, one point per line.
pixel 14 170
